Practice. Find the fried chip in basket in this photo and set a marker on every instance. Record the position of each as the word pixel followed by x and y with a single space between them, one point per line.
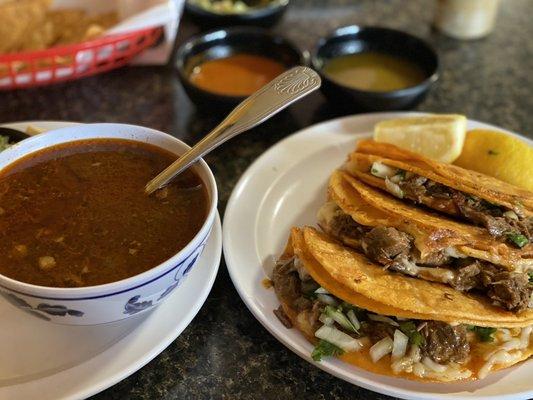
pixel 75 25
pixel 32 25
pixel 18 20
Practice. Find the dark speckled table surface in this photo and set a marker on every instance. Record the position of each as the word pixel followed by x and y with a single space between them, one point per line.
pixel 225 353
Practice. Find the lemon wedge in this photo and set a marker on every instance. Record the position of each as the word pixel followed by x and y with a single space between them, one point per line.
pixel 439 137
pixel 499 155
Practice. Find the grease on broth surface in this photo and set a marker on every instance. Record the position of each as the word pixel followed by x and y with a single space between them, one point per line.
pixel 236 75
pixel 76 214
pixel 373 71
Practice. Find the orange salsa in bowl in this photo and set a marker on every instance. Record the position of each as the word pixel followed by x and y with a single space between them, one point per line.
pixel 236 75
pixel 219 69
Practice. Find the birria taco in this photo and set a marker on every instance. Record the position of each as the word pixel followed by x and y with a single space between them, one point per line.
pixel 350 307
pixel 416 242
pixel 505 211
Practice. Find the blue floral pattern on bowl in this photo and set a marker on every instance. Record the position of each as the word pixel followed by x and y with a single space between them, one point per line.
pixel 133 306
pixel 55 310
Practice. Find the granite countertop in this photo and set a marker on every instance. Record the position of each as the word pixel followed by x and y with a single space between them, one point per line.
pixel 225 353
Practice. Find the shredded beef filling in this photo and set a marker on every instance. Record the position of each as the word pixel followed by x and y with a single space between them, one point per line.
pixel 377 330
pixel 478 211
pixel 286 282
pixel 511 290
pixel 445 343
pixel 294 289
pixel 442 343
pixel 383 244
pixel 468 276
pixel 284 319
pixel 344 226
pixel 395 250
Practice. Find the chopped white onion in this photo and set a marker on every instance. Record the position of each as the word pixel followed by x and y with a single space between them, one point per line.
pixel 326 299
pixel 326 320
pixel 399 346
pixel 338 338
pixel 510 214
pixel 321 290
pixel 396 178
pixel 393 188
pixel 428 362
pixel 380 349
pixel 382 171
pixel 382 318
pixel 353 319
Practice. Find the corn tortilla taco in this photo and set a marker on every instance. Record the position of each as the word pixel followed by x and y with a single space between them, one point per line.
pixel 503 210
pixel 419 243
pixel 387 323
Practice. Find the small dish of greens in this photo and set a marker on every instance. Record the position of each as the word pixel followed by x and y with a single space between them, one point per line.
pixel 217 13
pixel 231 6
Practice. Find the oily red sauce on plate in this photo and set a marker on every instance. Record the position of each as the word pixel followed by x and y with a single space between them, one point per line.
pixel 76 214
pixel 236 75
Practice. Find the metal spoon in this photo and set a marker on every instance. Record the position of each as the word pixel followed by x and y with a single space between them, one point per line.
pixel 284 90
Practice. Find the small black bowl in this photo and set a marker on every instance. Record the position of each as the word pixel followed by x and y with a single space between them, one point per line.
pixel 226 42
pixel 355 39
pixel 265 17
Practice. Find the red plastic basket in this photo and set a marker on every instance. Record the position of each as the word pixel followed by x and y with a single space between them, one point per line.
pixel 65 63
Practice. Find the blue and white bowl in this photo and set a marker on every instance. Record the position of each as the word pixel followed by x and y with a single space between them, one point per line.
pixel 117 300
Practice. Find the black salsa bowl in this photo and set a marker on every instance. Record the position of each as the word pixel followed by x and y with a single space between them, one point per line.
pixel 224 43
pixel 356 39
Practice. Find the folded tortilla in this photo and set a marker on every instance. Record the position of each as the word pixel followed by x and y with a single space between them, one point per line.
pixel 352 278
pixel 357 280
pixel 431 232
pixel 488 188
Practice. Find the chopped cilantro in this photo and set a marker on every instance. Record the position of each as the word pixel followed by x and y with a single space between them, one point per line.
pixel 325 349
pixel 483 334
pixel 518 239
pixel 415 337
pixel 530 273
pixel 359 312
pixel 493 152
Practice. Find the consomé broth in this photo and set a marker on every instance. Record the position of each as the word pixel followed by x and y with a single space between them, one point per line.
pixel 76 214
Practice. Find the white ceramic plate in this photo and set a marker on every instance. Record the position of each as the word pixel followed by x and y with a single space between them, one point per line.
pixel 40 360
pixel 285 187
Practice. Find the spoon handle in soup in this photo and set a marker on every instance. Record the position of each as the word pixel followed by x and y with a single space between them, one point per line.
pixel 278 94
